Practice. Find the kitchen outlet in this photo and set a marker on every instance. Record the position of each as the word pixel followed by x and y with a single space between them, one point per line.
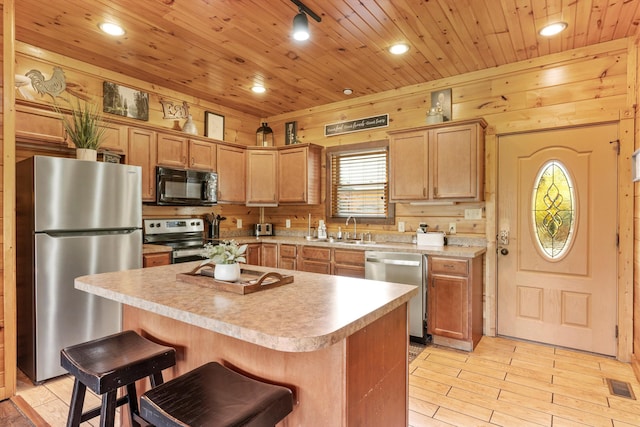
pixel 287 223
pixel 452 228
pixel 401 226
pixel 473 213
pixel 239 224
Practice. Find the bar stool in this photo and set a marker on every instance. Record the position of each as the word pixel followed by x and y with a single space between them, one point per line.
pixel 108 363
pixel 213 395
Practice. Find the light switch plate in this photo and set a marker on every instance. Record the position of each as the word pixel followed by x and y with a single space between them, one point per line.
pixel 401 226
pixel 288 223
pixel 473 213
pixel 239 224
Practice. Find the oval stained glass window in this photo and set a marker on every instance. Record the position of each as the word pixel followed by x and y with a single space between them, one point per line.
pixel 553 208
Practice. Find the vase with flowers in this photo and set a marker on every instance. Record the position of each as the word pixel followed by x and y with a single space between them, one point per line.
pixel 226 255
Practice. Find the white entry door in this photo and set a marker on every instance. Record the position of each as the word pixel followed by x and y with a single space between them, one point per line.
pixel 557 237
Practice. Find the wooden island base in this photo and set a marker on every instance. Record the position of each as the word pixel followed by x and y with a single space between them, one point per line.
pixel 359 381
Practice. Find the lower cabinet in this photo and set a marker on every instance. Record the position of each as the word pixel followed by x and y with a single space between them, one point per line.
pixel 253 254
pixel 348 263
pixel 156 259
pixel 315 259
pixel 288 257
pixel 270 255
pixel 455 301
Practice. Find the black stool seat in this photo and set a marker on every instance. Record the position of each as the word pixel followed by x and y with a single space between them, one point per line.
pixel 212 395
pixel 107 363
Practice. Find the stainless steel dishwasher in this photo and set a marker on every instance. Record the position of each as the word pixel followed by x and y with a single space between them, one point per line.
pixel 406 268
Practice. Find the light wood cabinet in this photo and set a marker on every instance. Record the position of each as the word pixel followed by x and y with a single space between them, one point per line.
pixel 231 174
pixel 348 263
pixel 39 126
pixel 288 257
pixel 202 155
pixel 270 255
pixel 442 162
pixel 253 254
pixel 115 138
pixel 299 174
pixel 262 184
pixel 315 259
pixel 154 260
pixel 142 152
pixel 455 301
pixel 172 151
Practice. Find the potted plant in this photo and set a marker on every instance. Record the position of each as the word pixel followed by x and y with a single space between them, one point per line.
pixel 83 128
pixel 226 257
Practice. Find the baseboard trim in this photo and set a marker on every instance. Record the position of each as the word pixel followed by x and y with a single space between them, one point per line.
pixel 29 412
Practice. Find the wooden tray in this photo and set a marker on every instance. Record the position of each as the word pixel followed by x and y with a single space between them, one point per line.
pixel 250 280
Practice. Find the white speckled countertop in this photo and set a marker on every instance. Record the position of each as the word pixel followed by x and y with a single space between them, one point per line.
pixel 313 312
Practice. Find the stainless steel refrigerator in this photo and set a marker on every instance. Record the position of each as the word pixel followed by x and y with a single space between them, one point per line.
pixel 73 218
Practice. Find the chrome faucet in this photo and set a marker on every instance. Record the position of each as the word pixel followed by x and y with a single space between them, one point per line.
pixel 355 235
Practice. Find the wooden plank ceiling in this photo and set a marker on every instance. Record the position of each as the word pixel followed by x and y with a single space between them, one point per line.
pixel 217 49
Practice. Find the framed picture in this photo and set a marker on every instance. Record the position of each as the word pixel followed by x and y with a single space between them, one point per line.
pixel 214 125
pixel 290 132
pixel 125 101
pixel 442 97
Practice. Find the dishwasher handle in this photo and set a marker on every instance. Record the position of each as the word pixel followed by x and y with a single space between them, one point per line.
pixel 403 262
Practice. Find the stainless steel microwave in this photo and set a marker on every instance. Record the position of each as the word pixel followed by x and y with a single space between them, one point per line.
pixel 186 187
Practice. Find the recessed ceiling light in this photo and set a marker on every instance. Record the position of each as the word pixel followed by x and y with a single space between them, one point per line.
pixel 399 48
pixel 552 29
pixel 111 29
pixel 347 91
pixel 258 89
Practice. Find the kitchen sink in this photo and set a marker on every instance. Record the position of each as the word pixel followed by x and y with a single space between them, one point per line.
pixel 357 242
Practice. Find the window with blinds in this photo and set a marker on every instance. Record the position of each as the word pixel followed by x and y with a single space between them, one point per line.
pixel 359 184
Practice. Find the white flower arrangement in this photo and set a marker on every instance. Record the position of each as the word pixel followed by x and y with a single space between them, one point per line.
pixel 227 252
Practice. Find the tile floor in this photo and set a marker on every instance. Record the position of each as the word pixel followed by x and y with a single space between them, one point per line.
pixel 501 383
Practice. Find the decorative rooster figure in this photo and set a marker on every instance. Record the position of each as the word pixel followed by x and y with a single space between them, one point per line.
pixel 52 87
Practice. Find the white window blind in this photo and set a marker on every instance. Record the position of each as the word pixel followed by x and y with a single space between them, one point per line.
pixel 359 184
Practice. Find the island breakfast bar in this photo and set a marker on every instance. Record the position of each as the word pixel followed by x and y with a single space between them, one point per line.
pixel 341 344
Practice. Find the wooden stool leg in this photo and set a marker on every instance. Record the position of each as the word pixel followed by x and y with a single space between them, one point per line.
pixel 77 401
pixel 132 397
pixel 108 411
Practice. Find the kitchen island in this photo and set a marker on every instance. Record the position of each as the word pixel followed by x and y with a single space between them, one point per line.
pixel 341 344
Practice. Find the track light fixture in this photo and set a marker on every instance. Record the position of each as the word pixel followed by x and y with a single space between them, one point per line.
pixel 300 21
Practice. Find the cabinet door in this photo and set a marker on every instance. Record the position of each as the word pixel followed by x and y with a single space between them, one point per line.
pixel 202 155
pixel 142 152
pixel 231 174
pixel 39 126
pixel 288 257
pixel 115 138
pixel 253 254
pixel 172 151
pixel 409 166
pixel 270 255
pixel 448 306
pixel 348 263
pixel 455 168
pixel 262 177
pixel 299 174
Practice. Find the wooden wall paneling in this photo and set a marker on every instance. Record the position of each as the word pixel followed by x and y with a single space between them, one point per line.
pixel 633 85
pixel 8 362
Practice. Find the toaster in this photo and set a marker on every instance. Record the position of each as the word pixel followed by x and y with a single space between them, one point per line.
pixel 264 229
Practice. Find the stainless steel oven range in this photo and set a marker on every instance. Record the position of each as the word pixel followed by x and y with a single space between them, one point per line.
pixel 184 235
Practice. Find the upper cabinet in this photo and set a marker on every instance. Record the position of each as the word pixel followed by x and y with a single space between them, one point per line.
pixel 172 150
pixel 231 174
pixel 202 155
pixel 443 162
pixel 142 152
pixel 299 174
pixel 262 183
pixel 39 126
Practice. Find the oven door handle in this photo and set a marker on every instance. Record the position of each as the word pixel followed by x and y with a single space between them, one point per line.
pixel 182 253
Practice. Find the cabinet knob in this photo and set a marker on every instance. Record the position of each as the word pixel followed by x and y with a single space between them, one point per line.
pixel 504 251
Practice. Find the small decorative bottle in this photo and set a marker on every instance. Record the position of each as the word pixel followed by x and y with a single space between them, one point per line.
pixel 189 126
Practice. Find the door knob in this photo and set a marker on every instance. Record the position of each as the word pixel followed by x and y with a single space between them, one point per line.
pixel 504 251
